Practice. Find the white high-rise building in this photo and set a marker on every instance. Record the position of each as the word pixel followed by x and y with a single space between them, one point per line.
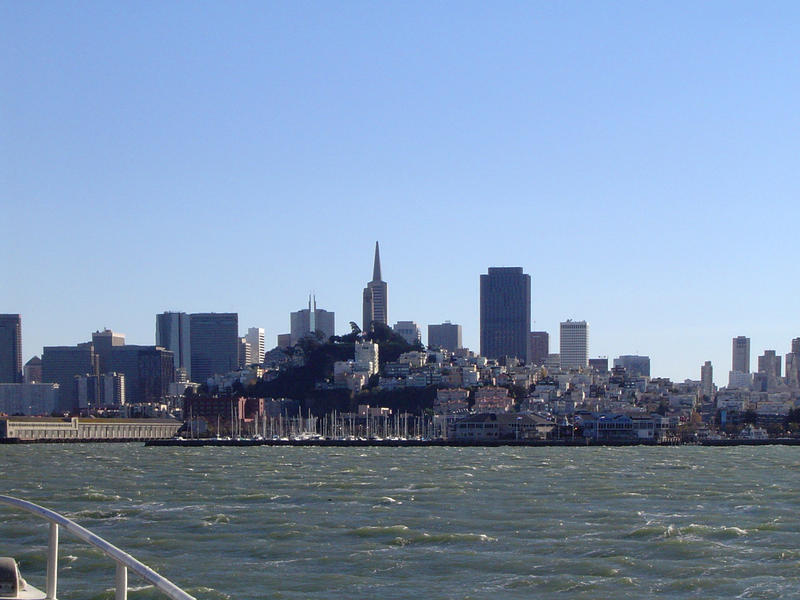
pixel 366 357
pixel 574 344
pixel 255 337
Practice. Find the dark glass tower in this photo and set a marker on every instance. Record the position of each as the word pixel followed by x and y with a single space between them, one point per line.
pixel 214 342
pixel 505 313
pixel 10 349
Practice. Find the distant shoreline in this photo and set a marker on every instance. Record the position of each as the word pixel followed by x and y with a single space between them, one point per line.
pixel 577 443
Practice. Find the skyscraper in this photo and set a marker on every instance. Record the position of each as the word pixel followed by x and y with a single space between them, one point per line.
pixel 574 344
pixel 103 342
pixel 255 337
pixel 214 341
pixel 375 305
pixel 10 349
pixel 446 335
pixel 173 333
pixel 61 364
pixel 539 347
pixel 741 354
pixel 707 379
pixel 505 313
pixel 309 321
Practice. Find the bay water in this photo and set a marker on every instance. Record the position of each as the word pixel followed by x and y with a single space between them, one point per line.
pixel 438 523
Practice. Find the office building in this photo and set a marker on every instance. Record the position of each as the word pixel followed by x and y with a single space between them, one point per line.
pixel 707 380
pixel 539 347
pixel 214 341
pixel 375 306
pixel 284 340
pixel 33 370
pixel 103 342
pixel 245 353
pixel 29 399
pixel 173 333
pixel 255 337
pixel 574 344
pixel 600 364
pixel 10 349
pixel 312 321
pixel 61 364
pixel 505 313
pixel 147 371
pixel 638 366
pixel 409 331
pixel 741 354
pixel 446 336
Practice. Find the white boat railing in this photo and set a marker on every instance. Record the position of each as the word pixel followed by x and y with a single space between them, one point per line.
pixel 124 560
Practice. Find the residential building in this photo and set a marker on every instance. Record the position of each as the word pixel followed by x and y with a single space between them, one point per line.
pixel 376 296
pixel 539 347
pixel 366 357
pixel 173 333
pixel 409 331
pixel 446 336
pixel 574 345
pixel 505 313
pixel 245 353
pixel 255 337
pixel 599 364
pixel 214 341
pixel 10 348
pixel 634 365
pixel 741 354
pixel 311 321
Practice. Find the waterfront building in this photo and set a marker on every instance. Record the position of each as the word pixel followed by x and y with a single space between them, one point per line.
pixel 505 313
pixel 707 380
pixel 60 364
pixel 741 354
pixel 574 344
pixel 446 336
pixel 173 333
pixel 375 306
pixel 10 348
pixel 33 370
pixel 634 365
pixel 409 331
pixel 214 341
pixel 599 364
pixel 28 398
pixel 75 428
pixel 492 399
pixel 255 337
pixel 311 321
pixel 539 347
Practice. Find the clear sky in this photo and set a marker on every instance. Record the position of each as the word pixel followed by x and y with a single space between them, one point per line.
pixel 638 159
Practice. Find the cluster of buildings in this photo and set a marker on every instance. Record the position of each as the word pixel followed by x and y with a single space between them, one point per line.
pixel 530 390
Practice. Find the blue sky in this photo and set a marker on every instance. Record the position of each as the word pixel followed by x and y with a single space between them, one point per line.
pixel 638 160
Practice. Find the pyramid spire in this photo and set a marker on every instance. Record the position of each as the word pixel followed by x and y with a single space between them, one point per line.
pixel 376 269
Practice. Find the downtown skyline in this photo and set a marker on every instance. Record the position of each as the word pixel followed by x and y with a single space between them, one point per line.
pixel 638 162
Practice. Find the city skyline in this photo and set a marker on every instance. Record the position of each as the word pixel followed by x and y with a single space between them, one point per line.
pixel 622 170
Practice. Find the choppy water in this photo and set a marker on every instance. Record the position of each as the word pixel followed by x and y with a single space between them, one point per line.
pixel 388 523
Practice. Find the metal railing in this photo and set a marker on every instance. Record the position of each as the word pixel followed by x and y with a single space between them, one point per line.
pixel 124 560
